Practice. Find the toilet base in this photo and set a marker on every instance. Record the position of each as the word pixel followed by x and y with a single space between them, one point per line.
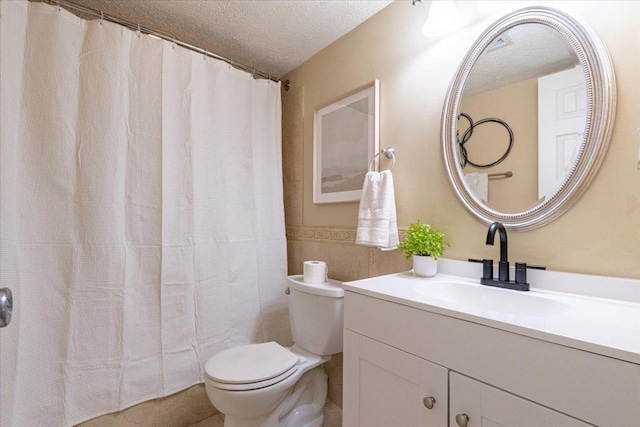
pixel 302 407
pixel 318 422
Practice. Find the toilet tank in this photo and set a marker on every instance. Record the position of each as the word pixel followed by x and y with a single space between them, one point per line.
pixel 316 315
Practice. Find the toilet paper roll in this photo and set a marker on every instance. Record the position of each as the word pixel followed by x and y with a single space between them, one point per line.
pixel 315 272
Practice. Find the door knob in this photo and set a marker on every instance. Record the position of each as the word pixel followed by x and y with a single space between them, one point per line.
pixel 462 420
pixel 6 307
pixel 429 402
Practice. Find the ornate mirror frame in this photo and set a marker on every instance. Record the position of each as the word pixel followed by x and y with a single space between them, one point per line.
pixel 601 104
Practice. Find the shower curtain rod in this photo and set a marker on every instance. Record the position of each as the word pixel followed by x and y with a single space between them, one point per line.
pixel 164 36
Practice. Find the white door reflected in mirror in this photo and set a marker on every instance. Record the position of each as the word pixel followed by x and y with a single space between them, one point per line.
pixel 562 114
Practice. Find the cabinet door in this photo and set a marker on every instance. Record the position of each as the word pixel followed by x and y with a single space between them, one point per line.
pixel 486 406
pixel 384 386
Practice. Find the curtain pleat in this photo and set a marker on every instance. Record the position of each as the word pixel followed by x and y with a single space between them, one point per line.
pixel 142 216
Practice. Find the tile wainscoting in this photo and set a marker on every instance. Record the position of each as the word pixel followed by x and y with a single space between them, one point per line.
pixel 346 260
pixel 177 410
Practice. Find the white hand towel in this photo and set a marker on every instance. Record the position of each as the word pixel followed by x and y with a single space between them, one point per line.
pixel 479 184
pixel 377 221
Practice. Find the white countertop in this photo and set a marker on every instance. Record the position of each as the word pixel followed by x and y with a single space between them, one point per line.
pixel 605 326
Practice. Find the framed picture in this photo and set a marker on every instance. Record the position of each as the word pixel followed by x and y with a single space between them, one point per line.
pixel 345 139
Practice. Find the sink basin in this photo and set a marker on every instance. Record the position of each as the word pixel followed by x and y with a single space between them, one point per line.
pixel 486 298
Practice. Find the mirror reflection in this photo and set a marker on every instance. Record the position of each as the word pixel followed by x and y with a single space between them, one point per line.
pixel 522 118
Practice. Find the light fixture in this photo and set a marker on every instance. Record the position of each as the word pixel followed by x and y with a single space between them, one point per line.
pixel 446 16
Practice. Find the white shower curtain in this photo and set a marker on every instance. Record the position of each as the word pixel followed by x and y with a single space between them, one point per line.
pixel 142 216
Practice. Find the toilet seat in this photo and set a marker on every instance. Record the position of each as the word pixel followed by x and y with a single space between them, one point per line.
pixel 254 385
pixel 250 366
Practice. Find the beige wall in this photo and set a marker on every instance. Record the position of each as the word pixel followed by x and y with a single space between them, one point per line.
pixel 600 234
pixel 517 106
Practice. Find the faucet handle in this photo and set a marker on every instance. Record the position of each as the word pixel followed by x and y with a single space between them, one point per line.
pixel 487 267
pixel 521 271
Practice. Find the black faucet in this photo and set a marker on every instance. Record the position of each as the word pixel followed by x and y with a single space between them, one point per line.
pixel 503 266
pixel 520 284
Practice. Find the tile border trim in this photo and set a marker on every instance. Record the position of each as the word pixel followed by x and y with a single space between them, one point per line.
pixel 321 234
pixel 345 236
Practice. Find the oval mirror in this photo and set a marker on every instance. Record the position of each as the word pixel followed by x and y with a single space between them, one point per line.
pixel 528 117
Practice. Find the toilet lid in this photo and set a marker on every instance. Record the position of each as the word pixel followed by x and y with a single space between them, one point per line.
pixel 250 363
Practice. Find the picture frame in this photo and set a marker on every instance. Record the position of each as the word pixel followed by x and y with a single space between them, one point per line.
pixel 346 137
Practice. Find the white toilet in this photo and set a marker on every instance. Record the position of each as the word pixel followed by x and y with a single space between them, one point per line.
pixel 267 385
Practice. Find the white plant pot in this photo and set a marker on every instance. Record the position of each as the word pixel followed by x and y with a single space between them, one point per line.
pixel 424 266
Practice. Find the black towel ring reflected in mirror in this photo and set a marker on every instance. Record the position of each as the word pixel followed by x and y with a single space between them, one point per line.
pixel 466 136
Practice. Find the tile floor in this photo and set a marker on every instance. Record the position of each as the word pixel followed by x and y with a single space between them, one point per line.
pixel 332 417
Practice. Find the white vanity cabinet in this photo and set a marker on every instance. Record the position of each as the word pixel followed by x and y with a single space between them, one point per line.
pixel 396 355
pixel 385 386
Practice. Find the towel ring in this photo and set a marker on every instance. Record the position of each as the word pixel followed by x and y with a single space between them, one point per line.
pixel 389 153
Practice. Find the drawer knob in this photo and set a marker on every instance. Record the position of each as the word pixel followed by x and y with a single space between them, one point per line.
pixel 429 402
pixel 462 420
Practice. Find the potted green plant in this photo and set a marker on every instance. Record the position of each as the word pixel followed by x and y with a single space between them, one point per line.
pixel 425 244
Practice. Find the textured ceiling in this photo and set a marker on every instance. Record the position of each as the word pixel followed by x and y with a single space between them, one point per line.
pixel 531 50
pixel 273 36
